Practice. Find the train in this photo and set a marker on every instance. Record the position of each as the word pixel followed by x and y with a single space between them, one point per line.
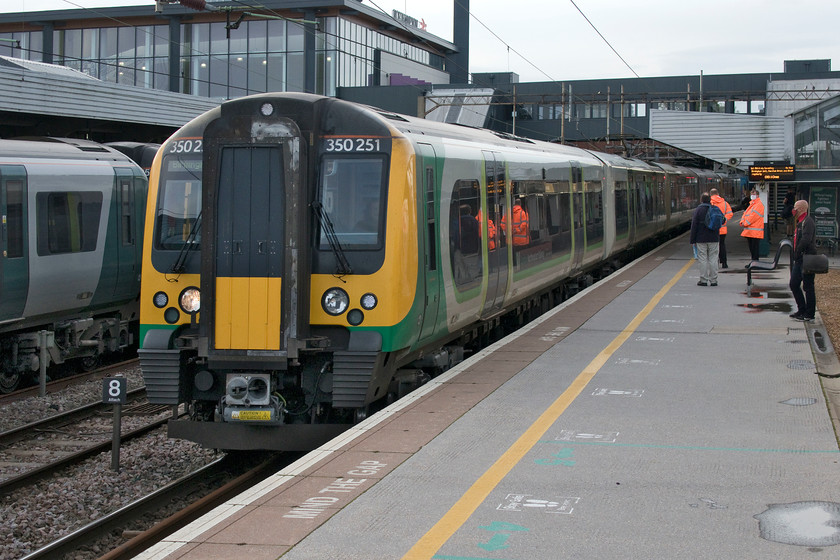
pixel 72 230
pixel 307 259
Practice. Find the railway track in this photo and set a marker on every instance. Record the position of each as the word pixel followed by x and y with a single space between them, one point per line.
pixel 203 489
pixel 39 449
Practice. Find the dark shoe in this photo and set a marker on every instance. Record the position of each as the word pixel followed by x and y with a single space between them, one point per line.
pixel 713 284
pixel 807 319
pixel 701 283
pixel 796 315
pixel 724 265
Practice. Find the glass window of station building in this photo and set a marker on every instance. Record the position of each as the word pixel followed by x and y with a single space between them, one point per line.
pixel 816 143
pixel 258 56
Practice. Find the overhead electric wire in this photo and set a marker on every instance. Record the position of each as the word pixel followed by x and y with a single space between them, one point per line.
pixel 604 38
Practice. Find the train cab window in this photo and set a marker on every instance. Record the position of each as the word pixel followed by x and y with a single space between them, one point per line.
pixel 177 219
pixel 68 222
pixel 353 197
pixel 14 219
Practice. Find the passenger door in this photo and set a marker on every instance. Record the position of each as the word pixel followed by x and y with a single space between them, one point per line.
pixel 14 242
pixel 427 179
pixel 128 275
pixel 497 260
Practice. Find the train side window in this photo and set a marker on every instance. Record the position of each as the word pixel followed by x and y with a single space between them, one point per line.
pixel 68 222
pixel 465 232
pixel 127 211
pixel 14 219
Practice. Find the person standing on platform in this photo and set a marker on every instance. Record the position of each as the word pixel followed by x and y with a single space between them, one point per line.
pixel 724 206
pixel 787 212
pixel 803 244
pixel 706 243
pixel 753 223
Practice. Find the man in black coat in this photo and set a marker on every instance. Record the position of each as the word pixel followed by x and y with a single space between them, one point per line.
pixel 804 238
pixel 706 243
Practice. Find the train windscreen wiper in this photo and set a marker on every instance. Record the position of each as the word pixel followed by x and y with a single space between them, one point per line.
pixel 343 266
pixel 179 264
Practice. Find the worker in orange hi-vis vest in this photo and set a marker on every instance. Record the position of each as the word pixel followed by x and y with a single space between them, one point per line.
pixel 519 218
pixel 753 224
pixel 491 231
pixel 724 206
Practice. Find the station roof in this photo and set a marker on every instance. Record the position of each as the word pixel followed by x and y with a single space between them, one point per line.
pixel 49 100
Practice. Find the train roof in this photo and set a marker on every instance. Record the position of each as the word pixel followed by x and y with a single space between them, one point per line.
pixel 50 147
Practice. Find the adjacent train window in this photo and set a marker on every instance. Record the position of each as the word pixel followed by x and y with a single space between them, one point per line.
pixel 353 197
pixel 68 222
pixel 179 203
pixel 14 219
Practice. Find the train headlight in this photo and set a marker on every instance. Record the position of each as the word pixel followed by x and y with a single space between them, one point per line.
pixel 335 301
pixel 369 301
pixel 160 300
pixel 355 317
pixel 266 109
pixel 190 300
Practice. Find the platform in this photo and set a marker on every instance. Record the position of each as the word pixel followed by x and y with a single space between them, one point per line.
pixel 647 417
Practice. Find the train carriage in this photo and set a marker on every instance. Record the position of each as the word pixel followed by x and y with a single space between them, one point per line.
pixel 71 247
pixel 306 257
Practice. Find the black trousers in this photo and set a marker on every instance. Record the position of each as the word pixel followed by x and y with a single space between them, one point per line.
pixel 722 252
pixel 806 303
pixel 753 243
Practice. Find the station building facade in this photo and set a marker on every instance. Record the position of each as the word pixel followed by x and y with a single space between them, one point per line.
pixel 230 49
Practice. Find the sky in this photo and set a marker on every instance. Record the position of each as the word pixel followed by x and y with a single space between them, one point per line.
pixel 551 40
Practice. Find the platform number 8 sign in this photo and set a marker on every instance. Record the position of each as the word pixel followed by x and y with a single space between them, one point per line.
pixel 113 390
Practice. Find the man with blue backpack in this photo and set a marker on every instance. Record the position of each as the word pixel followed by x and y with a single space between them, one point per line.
pixel 705 238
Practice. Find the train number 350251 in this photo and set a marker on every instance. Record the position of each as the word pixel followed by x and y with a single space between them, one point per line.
pixel 352 144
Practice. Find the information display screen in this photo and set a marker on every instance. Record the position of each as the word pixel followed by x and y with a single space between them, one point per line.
pixel 760 173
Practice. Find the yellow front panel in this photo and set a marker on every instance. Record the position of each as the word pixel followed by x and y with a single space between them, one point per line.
pixel 248 313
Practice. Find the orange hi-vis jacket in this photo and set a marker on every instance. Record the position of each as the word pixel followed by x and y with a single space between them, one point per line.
pixel 521 231
pixel 724 206
pixel 491 231
pixel 753 220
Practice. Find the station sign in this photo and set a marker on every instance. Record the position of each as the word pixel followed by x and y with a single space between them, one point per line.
pixel 771 171
pixel 114 390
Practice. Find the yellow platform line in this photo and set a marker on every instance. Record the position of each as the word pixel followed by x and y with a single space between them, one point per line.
pixel 443 530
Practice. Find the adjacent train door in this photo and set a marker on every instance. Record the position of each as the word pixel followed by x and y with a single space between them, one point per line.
pixel 14 258
pixel 426 185
pixel 497 259
pixel 128 246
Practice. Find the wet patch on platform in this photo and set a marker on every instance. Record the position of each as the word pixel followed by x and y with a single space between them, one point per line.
pixel 759 307
pixel 809 523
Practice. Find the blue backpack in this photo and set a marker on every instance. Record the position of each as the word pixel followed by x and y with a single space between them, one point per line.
pixel 714 218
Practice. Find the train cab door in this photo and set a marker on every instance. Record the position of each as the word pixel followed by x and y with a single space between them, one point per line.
pixel 497 259
pixel 14 256
pixel 254 221
pixel 426 172
pixel 128 247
